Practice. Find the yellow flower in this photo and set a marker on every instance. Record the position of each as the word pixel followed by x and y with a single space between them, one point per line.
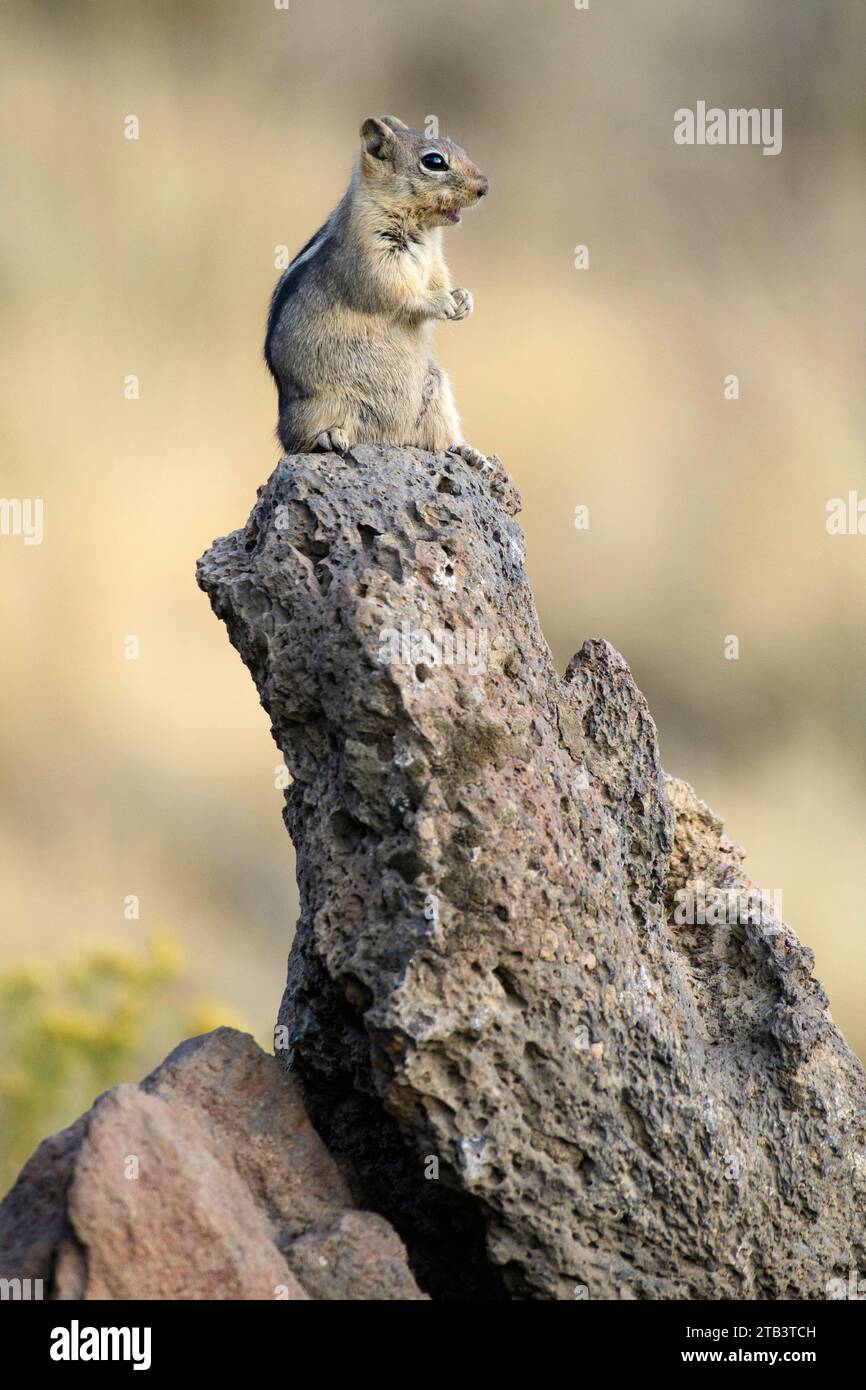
pixel 17 1085
pixel 207 1014
pixel 77 1027
pixel 166 956
pixel 116 962
pixel 23 981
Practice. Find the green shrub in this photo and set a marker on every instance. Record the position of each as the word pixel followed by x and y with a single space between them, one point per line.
pixel 67 1033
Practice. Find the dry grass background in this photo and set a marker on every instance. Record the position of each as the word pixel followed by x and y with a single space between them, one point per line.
pixel 156 257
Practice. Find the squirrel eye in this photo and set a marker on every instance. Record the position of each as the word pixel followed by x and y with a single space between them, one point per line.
pixel 433 161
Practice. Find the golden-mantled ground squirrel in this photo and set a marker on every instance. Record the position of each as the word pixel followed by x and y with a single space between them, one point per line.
pixel 351 320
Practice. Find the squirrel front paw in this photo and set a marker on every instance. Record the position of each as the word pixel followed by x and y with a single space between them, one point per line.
pixel 331 442
pixel 473 457
pixel 462 305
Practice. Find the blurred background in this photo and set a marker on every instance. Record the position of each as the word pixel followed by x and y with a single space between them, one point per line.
pixel 154 778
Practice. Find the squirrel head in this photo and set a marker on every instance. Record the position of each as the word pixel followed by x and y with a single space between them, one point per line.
pixel 427 177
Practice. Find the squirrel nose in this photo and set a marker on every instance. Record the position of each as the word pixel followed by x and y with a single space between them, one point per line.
pixel 483 186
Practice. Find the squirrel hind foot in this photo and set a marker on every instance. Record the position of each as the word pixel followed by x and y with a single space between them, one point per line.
pixel 331 442
pixel 473 457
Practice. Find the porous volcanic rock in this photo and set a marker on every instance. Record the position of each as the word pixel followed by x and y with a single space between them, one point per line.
pixel 514 1048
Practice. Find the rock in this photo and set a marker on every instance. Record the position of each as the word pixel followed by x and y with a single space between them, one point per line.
pixel 358 1256
pixel 207 1181
pixel 514 1048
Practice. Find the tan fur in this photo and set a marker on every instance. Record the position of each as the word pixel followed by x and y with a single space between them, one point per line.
pixel 349 336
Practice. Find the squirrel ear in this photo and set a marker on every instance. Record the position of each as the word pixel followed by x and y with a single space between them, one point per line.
pixel 395 123
pixel 376 137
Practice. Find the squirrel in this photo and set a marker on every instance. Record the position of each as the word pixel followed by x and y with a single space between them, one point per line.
pixel 351 320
